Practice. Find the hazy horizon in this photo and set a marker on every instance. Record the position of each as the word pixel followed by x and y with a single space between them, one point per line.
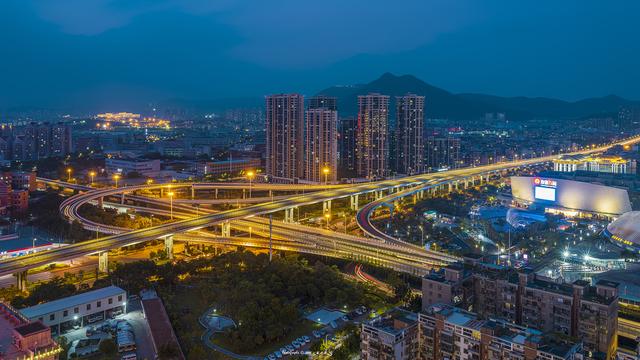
pixel 114 53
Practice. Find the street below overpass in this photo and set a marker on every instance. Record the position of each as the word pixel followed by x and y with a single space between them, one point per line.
pixel 405 185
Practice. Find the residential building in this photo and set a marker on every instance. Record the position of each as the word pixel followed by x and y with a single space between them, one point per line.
pixel 40 141
pixel 127 166
pixel 92 306
pixel 373 136
pixel 448 332
pixel 442 152
pixel 21 338
pixel 284 135
pixel 323 102
pixel 409 149
pixel 393 335
pixel 347 162
pixel 321 140
pixel 629 117
pixel 577 309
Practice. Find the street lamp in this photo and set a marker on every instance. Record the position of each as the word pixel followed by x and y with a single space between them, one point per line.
pixel 170 193
pixel 250 175
pixel 116 177
pixel 68 174
pixel 93 175
pixel 325 171
pixel 149 181
pixel 328 217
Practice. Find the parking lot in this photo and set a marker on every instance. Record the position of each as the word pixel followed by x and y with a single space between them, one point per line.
pixel 136 323
pixel 302 345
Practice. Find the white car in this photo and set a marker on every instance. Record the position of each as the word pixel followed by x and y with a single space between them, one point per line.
pixel 289 348
pixel 278 354
pixel 272 357
pixel 306 338
pixel 295 344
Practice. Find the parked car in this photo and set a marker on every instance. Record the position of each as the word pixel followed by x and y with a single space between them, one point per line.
pixel 278 354
pixel 284 351
pixel 272 357
pixel 289 348
pixel 306 338
pixel 316 334
pixel 295 344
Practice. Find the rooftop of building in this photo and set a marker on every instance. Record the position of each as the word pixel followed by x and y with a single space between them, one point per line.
pixel 39 310
pixel 31 328
pixel 12 320
pixel 394 321
pixel 503 330
pixel 600 158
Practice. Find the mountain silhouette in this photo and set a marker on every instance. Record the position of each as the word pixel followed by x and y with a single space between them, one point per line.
pixel 440 103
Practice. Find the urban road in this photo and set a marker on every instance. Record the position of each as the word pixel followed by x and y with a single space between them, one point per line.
pixel 401 186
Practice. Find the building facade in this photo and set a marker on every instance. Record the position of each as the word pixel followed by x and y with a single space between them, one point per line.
pixel 448 332
pixel 62 314
pixel 321 140
pixel 127 166
pixel 595 163
pixel 577 309
pixel 394 335
pixel 284 135
pixel 373 136
pixel 409 149
pixel 227 166
pixel 347 161
pixel 21 338
pixel 442 153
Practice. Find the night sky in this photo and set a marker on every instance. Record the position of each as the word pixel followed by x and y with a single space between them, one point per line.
pixel 116 53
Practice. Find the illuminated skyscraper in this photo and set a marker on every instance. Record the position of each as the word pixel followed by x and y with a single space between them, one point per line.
pixel 284 135
pixel 373 135
pixel 321 140
pixel 409 149
pixel 347 147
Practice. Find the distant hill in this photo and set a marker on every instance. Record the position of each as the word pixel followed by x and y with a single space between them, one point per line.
pixel 443 104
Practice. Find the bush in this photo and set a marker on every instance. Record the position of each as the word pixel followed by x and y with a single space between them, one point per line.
pixel 108 347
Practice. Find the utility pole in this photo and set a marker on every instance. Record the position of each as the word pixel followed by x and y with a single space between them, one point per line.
pixel 270 237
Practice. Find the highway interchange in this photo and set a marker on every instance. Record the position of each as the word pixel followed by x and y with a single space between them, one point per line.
pixel 377 247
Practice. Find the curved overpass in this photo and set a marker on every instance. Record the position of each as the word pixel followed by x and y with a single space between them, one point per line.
pixel 330 193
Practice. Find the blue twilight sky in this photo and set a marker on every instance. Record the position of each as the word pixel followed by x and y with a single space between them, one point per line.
pixel 110 53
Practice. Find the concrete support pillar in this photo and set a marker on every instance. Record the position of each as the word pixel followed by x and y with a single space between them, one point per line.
pixel 193 192
pixel 326 206
pixel 450 187
pixel 415 198
pixel 168 246
pixel 270 193
pixel 216 196
pixel 226 229
pixel 354 202
pixel 103 262
pixel 379 195
pixel 21 280
pixel 244 194
pixel 288 215
pixel 161 192
pixel 122 199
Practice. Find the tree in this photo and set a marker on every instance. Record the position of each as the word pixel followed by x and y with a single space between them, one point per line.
pixel 108 347
pixel 168 351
